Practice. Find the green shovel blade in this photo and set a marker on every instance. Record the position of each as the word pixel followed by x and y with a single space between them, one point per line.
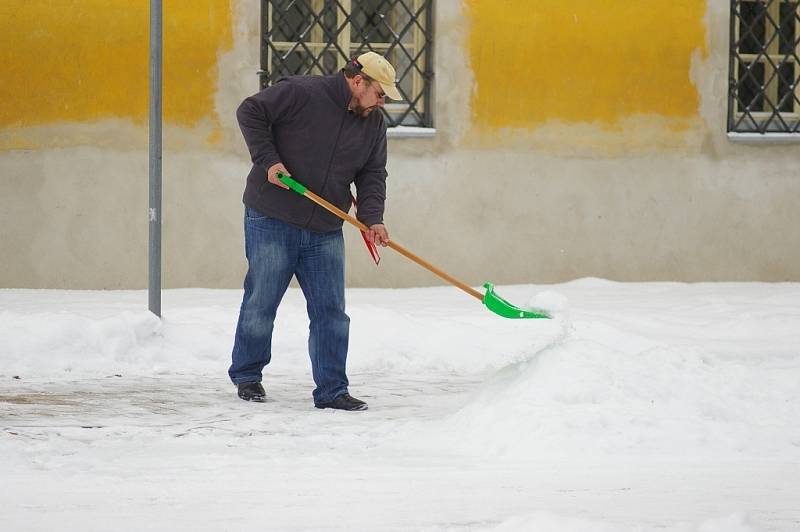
pixel 501 307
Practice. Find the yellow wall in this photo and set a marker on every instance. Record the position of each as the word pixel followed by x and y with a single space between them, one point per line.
pixel 576 62
pixel 84 61
pixel 583 60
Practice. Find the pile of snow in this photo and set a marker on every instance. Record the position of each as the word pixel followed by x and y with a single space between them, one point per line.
pixel 91 334
pixel 717 380
pixel 97 333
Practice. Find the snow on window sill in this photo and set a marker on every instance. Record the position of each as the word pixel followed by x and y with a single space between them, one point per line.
pixel 764 138
pixel 409 132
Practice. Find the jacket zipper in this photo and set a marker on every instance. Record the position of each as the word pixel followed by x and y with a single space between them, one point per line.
pixel 328 170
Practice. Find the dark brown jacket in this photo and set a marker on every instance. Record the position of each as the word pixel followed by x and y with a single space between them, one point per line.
pixel 303 122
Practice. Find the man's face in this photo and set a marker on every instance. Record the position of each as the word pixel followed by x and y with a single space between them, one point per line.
pixel 367 97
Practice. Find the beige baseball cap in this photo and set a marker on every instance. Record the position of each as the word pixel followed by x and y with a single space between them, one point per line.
pixel 378 68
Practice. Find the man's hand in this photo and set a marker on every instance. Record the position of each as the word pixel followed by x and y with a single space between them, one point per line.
pixel 272 174
pixel 378 235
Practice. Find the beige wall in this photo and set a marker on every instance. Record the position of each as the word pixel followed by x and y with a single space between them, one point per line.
pixel 642 199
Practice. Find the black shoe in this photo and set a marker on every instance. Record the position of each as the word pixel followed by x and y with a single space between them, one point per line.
pixel 344 402
pixel 252 391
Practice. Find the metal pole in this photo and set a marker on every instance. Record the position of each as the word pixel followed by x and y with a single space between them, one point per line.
pixel 154 242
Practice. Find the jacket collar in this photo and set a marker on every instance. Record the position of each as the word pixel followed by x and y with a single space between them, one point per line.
pixel 340 90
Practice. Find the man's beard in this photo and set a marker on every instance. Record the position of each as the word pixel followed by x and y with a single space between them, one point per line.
pixel 360 110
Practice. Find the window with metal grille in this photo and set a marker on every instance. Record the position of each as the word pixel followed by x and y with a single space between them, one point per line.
pixel 764 68
pixel 320 36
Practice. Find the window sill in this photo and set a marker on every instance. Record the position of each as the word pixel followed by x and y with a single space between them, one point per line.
pixel 765 138
pixel 408 132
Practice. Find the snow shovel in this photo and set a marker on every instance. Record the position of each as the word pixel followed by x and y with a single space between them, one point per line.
pixel 493 302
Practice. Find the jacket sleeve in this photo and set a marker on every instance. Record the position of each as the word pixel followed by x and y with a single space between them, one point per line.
pixel 371 184
pixel 258 113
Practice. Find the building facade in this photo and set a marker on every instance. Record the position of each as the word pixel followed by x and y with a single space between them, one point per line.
pixel 562 140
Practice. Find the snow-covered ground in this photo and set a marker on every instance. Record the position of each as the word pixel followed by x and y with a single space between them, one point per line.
pixel 640 407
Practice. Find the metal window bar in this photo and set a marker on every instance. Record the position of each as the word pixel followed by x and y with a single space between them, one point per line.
pixel 764 67
pixel 320 36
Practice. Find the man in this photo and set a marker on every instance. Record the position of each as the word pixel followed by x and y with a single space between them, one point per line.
pixel 327 132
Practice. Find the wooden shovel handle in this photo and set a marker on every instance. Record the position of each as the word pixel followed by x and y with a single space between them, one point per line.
pixel 397 247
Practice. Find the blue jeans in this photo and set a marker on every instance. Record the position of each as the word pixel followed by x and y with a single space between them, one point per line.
pixel 275 252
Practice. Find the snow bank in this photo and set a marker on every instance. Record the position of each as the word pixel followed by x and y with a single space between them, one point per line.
pixel 82 334
pixel 646 382
pixel 88 334
pixel 455 334
pixel 703 369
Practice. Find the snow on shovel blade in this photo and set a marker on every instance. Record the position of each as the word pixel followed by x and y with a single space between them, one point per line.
pixel 501 307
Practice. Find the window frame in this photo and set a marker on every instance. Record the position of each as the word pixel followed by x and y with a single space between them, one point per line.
pixel 408 23
pixel 768 121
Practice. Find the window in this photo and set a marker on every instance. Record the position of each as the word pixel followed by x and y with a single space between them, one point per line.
pixel 320 36
pixel 764 68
